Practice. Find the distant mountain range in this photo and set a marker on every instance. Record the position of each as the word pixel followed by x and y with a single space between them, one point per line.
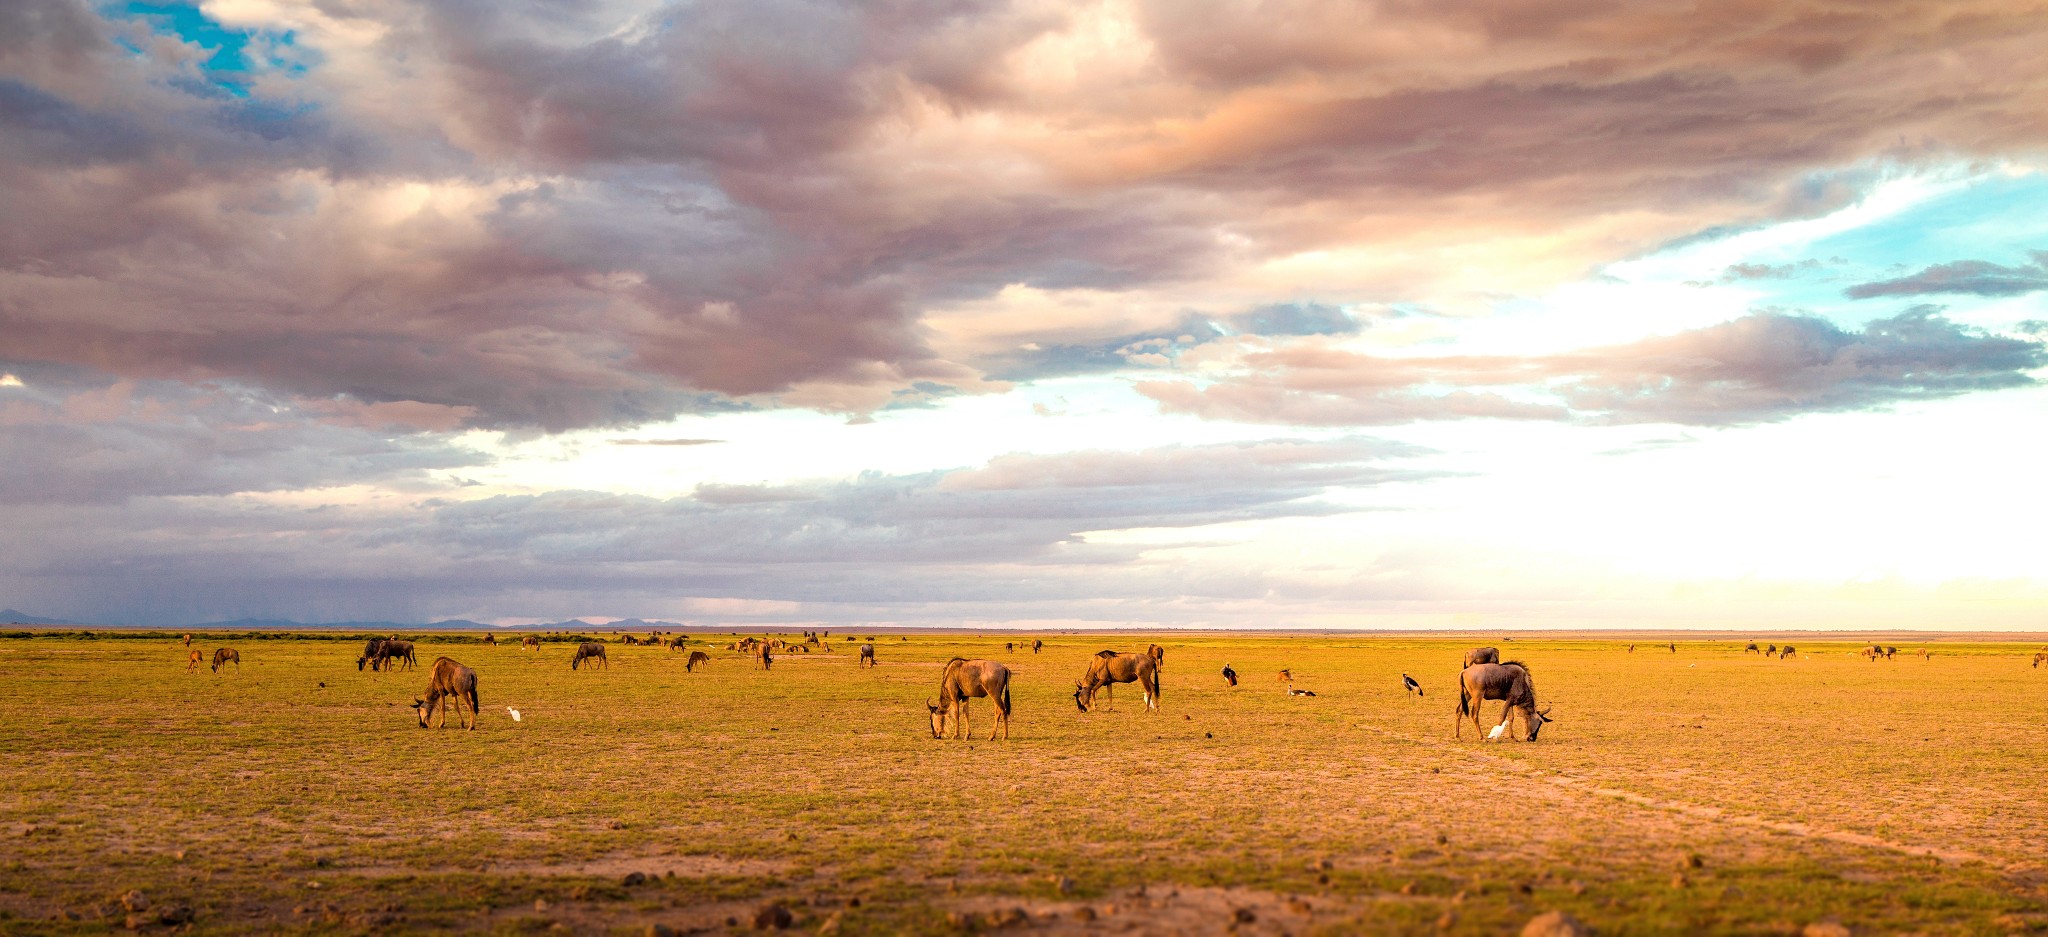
pixel 13 617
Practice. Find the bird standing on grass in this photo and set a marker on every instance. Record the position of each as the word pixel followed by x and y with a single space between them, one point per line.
pixel 1413 687
pixel 514 712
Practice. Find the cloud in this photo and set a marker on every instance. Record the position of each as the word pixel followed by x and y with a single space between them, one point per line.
pixel 539 216
pixel 1974 277
pixel 1161 347
pixel 1018 528
pixel 1760 368
pixel 665 442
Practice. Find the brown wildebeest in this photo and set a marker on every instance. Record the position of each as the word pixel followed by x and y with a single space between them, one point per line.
pixel 867 657
pixel 1924 655
pixel 491 639
pixel 1890 652
pixel 1751 648
pixel 588 650
pixel 1286 676
pixel 1787 651
pixel 449 681
pixel 1631 649
pixel 193 660
pixel 1158 655
pixel 696 657
pixel 1009 645
pixel 1481 655
pixel 531 642
pixel 1770 650
pixel 1871 653
pixel 678 642
pixel 1508 682
pixel 188 640
pixel 369 653
pixel 965 679
pixel 1036 644
pixel 764 655
pixel 1673 646
pixel 222 655
pixel 394 650
pixel 1109 668
pixel 2038 658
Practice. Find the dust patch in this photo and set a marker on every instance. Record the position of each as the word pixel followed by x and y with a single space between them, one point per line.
pixel 1166 910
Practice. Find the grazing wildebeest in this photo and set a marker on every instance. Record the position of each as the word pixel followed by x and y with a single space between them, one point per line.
pixel 369 652
pixel 1508 682
pixel 696 657
pixel 1481 655
pixel 193 660
pixel 764 655
pixel 678 642
pixel 1770 650
pixel 965 679
pixel 588 650
pixel 1229 675
pixel 1890 652
pixel 2038 658
pixel 1111 667
pixel 449 681
pixel 491 639
pixel 1036 644
pixel 1871 653
pixel 394 650
pixel 1408 683
pixel 531 642
pixel 222 655
pixel 1787 651
pixel 1751 648
pixel 1924 655
pixel 867 656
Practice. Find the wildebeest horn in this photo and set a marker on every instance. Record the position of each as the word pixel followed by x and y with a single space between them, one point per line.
pixel 1546 716
pixel 928 704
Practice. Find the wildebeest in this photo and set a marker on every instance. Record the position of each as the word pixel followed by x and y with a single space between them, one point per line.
pixel 1924 655
pixel 449 680
pixel 2038 658
pixel 1481 655
pixel 369 652
pixel 399 651
pixel 1112 667
pixel 1751 648
pixel 193 660
pixel 867 656
pixel 188 640
pixel 1890 652
pixel 588 650
pixel 696 657
pixel 1631 649
pixel 1286 676
pixel 1157 653
pixel 1871 653
pixel 1009 645
pixel 531 642
pixel 1036 644
pixel 1229 675
pixel 1508 682
pixel 1673 646
pixel 1770 650
pixel 222 655
pixel 965 679
pixel 491 639
pixel 764 655
pixel 678 642
pixel 1787 651
pixel 1408 683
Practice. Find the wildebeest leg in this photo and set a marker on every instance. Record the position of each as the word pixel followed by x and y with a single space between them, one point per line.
pixel 964 729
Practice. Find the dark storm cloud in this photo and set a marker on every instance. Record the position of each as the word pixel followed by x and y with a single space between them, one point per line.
pixel 1973 277
pixel 1760 368
pixel 1014 529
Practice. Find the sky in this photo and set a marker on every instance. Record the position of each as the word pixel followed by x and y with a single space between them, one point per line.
pixel 1292 314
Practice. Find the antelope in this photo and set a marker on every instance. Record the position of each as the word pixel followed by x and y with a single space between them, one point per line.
pixel 963 680
pixel 531 642
pixel 449 681
pixel 588 650
pixel 1109 668
pixel 696 657
pixel 222 655
pixel 1483 655
pixel 194 659
pixel 1508 682
pixel 867 657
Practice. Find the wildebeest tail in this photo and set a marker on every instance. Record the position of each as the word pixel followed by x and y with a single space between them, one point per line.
pixel 1006 699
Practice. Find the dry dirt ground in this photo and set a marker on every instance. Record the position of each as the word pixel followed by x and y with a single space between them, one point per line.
pixel 1706 790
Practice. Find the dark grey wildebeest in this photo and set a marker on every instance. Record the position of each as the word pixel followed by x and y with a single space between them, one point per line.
pixel 963 680
pixel 1508 682
pixel 589 650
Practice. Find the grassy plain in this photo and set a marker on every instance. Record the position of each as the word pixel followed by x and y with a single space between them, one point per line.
pixel 1701 791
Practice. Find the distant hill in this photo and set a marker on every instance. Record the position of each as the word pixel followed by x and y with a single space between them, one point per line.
pixel 638 624
pixel 11 617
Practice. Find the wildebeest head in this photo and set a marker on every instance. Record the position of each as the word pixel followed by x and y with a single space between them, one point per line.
pixel 1081 697
pixel 938 718
pixel 1536 722
pixel 419 708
